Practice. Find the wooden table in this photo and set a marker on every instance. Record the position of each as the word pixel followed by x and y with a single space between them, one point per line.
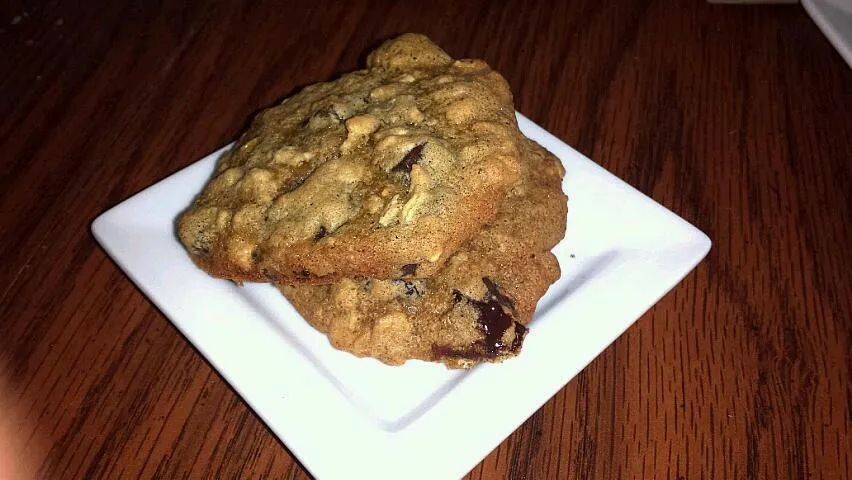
pixel 739 118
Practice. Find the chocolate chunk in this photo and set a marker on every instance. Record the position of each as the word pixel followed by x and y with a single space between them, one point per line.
pixel 413 156
pixel 495 293
pixel 479 350
pixel 520 333
pixel 493 321
pixel 320 233
pixel 409 270
pixel 303 275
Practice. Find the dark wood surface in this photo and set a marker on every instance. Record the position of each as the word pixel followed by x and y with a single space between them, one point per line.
pixel 738 118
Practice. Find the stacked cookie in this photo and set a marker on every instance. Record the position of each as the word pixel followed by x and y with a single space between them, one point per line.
pixel 398 208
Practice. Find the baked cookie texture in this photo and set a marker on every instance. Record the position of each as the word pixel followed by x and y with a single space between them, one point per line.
pixel 477 306
pixel 383 173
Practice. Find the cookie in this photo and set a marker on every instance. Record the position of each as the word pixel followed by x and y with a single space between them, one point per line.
pixel 477 306
pixel 382 173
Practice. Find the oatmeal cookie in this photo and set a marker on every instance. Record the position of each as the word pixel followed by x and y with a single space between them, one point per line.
pixel 383 173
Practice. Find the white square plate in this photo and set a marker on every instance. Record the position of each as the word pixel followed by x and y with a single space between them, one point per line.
pixel 346 417
pixel 834 18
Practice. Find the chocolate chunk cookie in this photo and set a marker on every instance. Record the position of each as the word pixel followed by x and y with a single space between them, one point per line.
pixel 477 306
pixel 383 173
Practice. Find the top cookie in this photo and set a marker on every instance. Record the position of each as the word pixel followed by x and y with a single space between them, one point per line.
pixel 382 173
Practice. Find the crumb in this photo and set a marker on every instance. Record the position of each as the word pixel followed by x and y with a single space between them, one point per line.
pixel 572 256
pixel 16 19
pixel 59 21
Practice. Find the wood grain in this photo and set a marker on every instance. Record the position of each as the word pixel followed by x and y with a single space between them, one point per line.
pixel 737 118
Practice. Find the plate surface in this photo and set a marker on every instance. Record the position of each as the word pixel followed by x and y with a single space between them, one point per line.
pixel 834 18
pixel 345 417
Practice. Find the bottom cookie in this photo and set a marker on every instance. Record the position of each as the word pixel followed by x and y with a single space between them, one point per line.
pixel 476 307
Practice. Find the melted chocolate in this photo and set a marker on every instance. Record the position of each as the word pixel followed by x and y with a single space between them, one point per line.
pixel 480 350
pixel 493 320
pixel 520 333
pixel 494 323
pixel 413 156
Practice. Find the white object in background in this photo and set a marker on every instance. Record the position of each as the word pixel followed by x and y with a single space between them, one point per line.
pixel 348 418
pixel 834 18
